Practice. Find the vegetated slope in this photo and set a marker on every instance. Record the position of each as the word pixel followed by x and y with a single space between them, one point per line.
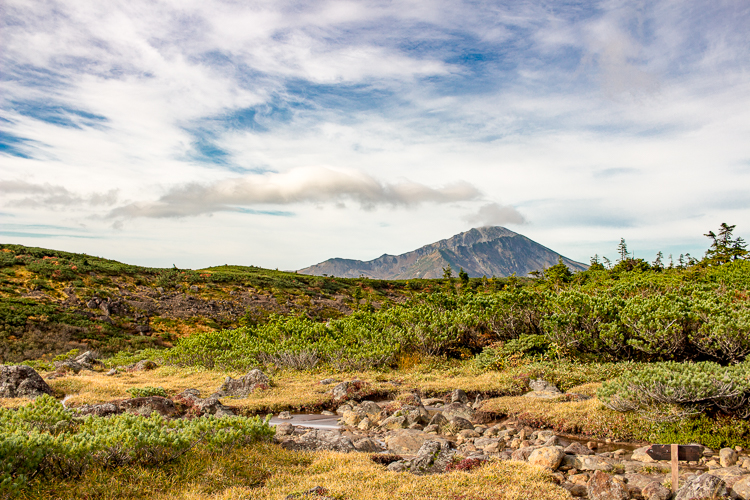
pixel 484 251
pixel 53 301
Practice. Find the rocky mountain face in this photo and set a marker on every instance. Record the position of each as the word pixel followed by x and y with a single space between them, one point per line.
pixel 483 251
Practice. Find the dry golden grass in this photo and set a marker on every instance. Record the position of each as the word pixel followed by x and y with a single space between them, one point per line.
pixel 355 476
pixel 266 471
pixel 587 417
pixel 291 390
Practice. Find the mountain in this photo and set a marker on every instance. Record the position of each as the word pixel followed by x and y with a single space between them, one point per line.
pixel 483 251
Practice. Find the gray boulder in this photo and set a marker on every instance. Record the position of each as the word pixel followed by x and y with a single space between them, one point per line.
pixel 432 457
pixel 459 396
pixel 244 386
pixel 319 439
pixel 703 487
pixel 208 406
pixel 22 381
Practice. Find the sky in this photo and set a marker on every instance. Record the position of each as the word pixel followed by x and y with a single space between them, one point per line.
pixel 281 134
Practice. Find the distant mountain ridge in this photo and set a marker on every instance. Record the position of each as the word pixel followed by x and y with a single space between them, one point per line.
pixel 483 251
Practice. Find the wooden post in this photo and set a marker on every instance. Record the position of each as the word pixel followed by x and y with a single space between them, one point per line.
pixel 675 467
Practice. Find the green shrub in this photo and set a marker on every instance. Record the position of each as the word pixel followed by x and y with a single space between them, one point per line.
pixel 691 387
pixel 43 439
pixel 142 392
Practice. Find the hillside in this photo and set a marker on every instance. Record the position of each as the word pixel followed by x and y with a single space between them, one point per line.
pixel 484 251
pixel 53 301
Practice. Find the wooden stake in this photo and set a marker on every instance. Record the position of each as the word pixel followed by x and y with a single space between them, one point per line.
pixel 675 467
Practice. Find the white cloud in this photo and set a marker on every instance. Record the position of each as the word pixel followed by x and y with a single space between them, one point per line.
pixel 300 185
pixel 495 214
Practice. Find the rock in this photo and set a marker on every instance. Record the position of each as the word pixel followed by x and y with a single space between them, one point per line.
pixel 432 428
pixel 244 386
pixel 432 401
pixel 727 457
pixel 208 406
pixel 522 454
pixel 370 408
pixel 365 424
pixel 285 415
pixel 87 360
pixel 99 410
pixel 22 381
pixel 548 457
pixel 68 366
pixel 655 491
pixel 112 372
pixel 602 486
pixel 741 488
pixel 143 365
pixel 576 490
pixel 367 445
pixel 319 439
pixel 468 434
pixel 730 475
pixel 459 424
pixel 459 396
pixel 640 455
pixel 576 448
pixel 406 441
pixel 439 420
pixel 592 445
pixel 585 462
pixel 398 466
pixel 328 381
pixel 703 487
pixel 432 457
pixel 145 406
pixel 284 429
pixel 457 410
pixel 542 389
pixel 394 422
pixel 339 392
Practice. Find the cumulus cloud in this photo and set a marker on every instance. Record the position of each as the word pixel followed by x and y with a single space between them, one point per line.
pixel 49 195
pixel 494 214
pixel 299 185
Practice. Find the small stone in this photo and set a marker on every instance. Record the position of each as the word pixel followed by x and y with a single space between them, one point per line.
pixel 459 396
pixel 742 488
pixel 284 429
pixel 285 415
pixel 592 445
pixel 112 372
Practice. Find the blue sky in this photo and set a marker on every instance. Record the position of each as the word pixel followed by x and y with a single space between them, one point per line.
pixel 281 134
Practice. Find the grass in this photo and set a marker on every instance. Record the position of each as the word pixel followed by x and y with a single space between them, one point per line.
pixel 266 471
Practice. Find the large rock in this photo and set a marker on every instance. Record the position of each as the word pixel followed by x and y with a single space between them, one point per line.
pixel 703 487
pixel 99 410
pixel 319 439
pixel 576 448
pixel 432 457
pixel 406 441
pixel 602 486
pixel 244 386
pixel 583 462
pixel 549 457
pixel 145 406
pixel 523 454
pixel 21 382
pixel 741 488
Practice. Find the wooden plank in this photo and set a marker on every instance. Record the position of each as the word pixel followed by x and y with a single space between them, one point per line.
pixel 675 452
pixel 691 453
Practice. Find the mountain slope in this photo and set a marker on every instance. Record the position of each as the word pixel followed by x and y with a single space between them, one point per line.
pixel 484 251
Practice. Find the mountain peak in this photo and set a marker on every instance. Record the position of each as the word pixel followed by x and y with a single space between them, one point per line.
pixel 480 251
